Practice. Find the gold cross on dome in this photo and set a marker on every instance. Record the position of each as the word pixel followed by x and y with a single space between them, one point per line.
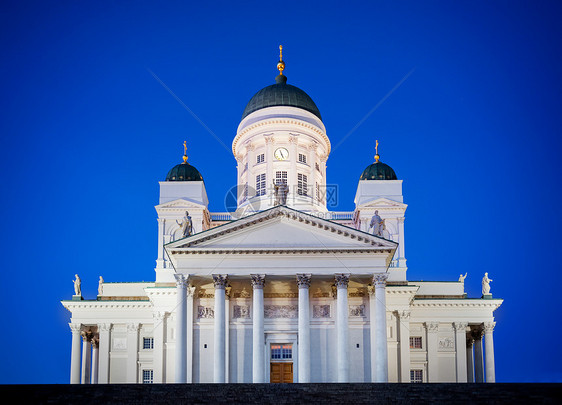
pixel 184 151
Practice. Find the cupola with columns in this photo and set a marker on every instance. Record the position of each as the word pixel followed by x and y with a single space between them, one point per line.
pixel 281 140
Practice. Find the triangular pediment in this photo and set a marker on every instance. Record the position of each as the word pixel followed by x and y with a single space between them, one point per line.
pixel 281 228
pixel 180 203
pixel 383 203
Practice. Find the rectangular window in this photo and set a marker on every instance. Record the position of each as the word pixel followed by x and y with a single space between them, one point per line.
pixel 302 158
pixel 416 376
pixel 302 186
pixel 260 158
pixel 415 342
pixel 147 376
pixel 281 352
pixel 260 184
pixel 281 177
pixel 148 343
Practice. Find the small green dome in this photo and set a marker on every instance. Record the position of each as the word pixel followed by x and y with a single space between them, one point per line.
pixel 184 172
pixel 378 171
pixel 281 94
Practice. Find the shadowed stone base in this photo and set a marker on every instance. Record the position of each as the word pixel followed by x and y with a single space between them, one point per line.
pixel 284 393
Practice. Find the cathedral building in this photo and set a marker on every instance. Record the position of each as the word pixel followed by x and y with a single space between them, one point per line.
pixel 281 289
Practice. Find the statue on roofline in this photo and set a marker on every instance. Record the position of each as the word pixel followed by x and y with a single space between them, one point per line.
pixel 461 278
pixel 486 284
pixel 77 285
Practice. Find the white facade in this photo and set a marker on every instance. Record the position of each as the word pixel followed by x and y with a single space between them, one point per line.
pixel 291 292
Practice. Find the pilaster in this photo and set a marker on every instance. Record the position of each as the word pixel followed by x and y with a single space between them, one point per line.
pixel 432 347
pixel 460 353
pixel 303 284
pixel 342 325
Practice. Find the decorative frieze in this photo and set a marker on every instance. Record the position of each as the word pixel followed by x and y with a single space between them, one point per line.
pixel 241 312
pixel 357 310
pixel 281 311
pixel 446 343
pixel 205 312
pixel 321 311
pixel 281 295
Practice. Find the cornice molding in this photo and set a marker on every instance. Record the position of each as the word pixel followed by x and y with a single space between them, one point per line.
pixel 276 121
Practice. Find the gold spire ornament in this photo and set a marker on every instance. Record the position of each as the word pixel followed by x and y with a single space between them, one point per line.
pixel 184 151
pixel 377 157
pixel 281 64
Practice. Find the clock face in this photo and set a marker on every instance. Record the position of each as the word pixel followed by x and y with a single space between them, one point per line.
pixel 281 154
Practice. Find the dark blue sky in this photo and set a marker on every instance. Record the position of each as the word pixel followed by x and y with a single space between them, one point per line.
pixel 86 133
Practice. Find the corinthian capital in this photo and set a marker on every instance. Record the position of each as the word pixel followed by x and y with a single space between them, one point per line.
pixel 303 280
pixel 432 327
pixel 220 281
pixel 181 280
pixel 489 327
pixel 461 326
pixel 258 281
pixel 342 280
pixel 379 279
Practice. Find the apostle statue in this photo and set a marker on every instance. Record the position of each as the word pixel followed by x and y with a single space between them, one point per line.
pixel 77 286
pixel 486 284
pixel 186 225
pixel 377 223
pixel 281 191
pixel 100 286
pixel 461 278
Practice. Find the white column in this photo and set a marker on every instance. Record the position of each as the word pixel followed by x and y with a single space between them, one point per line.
pixel 86 356
pixel 189 322
pixel 372 335
pixel 401 246
pixel 95 360
pixel 432 347
pixel 227 334
pixel 158 350
pixel 381 349
pixel 303 283
pixel 258 337
pixel 404 317
pixel 460 351
pixel 489 346
pixel 181 329
pixel 342 325
pixel 104 342
pixel 478 357
pixel 160 259
pixel 132 352
pixel 220 282
pixel 75 353
pixel 469 360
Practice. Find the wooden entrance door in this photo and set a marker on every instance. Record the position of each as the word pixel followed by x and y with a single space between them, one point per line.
pixel 281 373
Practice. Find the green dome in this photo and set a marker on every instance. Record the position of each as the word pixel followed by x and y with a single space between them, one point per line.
pixel 281 94
pixel 378 171
pixel 184 172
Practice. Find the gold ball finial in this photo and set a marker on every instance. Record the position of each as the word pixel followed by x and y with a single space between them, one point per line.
pixel 377 157
pixel 281 64
pixel 184 151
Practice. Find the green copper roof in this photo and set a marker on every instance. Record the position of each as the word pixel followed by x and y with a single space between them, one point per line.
pixel 378 171
pixel 281 94
pixel 184 172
